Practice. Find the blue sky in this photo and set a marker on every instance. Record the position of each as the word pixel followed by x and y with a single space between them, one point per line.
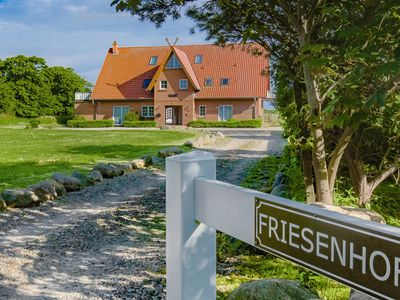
pixel 78 33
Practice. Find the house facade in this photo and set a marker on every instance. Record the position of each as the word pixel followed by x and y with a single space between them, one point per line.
pixel 177 84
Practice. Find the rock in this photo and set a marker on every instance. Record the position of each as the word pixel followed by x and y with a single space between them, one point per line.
pixel 107 170
pixel 95 177
pixel 280 178
pixel 280 190
pixel 45 190
pixel 3 205
pixel 82 178
pixel 188 144
pixel 150 160
pixel 169 152
pixel 357 212
pixel 70 183
pixel 124 168
pixel 60 189
pixel 20 198
pixel 137 163
pixel 271 289
pixel 356 295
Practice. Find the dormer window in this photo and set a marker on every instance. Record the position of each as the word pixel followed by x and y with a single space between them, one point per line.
pixel 146 83
pixel 224 81
pixel 153 60
pixel 198 59
pixel 208 81
pixel 173 63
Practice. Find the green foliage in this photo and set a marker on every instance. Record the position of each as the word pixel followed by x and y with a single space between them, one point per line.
pixel 29 88
pixel 64 119
pixel 47 120
pixel 139 124
pixel 33 124
pixel 90 123
pixel 132 116
pixel 232 123
pixel 10 120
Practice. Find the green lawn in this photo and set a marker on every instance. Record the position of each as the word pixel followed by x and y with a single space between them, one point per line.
pixel 28 156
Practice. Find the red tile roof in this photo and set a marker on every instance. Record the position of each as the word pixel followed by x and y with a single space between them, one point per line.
pixel 122 74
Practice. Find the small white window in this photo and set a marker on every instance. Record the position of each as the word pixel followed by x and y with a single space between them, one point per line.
pixel 148 111
pixel 163 85
pixel 198 59
pixel 224 81
pixel 208 82
pixel 173 63
pixel 183 84
pixel 153 60
pixel 202 110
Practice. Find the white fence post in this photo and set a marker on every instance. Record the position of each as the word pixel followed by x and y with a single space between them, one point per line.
pixel 191 247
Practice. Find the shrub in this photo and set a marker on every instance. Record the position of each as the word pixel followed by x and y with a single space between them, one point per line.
pixel 64 119
pixel 34 123
pixel 90 124
pixel 132 116
pixel 78 117
pixel 232 123
pixel 139 124
pixel 47 120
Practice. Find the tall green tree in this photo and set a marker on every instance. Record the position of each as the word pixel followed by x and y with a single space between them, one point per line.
pixel 318 35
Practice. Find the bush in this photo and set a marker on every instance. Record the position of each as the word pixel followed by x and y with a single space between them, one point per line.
pixel 33 124
pixel 132 116
pixel 232 123
pixel 64 119
pixel 47 120
pixel 139 124
pixel 78 117
pixel 90 124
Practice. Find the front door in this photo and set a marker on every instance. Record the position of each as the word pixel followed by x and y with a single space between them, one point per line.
pixel 119 113
pixel 169 115
pixel 225 112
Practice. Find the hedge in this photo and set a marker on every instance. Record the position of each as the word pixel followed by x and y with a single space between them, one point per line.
pixel 90 124
pixel 139 124
pixel 232 123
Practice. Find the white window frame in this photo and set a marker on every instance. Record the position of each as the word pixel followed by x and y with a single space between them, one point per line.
pixel 186 84
pixel 155 60
pixel 211 81
pixel 198 59
pixel 146 111
pixel 173 63
pixel 222 106
pixel 161 85
pixel 222 80
pixel 205 111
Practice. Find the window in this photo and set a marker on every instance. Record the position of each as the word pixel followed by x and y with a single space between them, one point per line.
pixel 208 82
pixel 147 111
pixel 224 81
pixel 202 111
pixel 146 83
pixel 198 59
pixel 183 84
pixel 163 85
pixel 153 60
pixel 173 63
pixel 225 112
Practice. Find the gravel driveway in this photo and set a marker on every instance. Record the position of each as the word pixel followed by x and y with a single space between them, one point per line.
pixel 107 241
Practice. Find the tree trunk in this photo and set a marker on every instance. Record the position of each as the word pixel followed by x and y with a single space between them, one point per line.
pixel 306 160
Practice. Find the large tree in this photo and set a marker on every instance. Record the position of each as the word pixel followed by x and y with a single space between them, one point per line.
pixel 321 44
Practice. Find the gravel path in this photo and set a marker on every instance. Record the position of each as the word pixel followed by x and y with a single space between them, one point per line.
pixel 106 241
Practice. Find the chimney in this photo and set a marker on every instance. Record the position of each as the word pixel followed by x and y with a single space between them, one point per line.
pixel 114 48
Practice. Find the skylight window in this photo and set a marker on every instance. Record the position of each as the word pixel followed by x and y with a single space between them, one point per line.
pixel 224 81
pixel 173 63
pixel 198 59
pixel 146 83
pixel 153 60
pixel 208 82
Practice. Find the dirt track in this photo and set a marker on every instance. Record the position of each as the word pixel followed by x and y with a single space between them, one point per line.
pixel 106 241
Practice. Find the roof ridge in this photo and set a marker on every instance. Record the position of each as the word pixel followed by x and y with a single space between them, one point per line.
pixel 207 44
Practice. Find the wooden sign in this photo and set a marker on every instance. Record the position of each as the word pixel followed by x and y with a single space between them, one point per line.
pixel 358 254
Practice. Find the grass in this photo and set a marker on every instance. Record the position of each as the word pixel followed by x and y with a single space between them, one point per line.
pixel 29 156
pixel 9 120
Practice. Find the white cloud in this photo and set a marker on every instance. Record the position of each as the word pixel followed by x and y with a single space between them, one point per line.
pixel 76 8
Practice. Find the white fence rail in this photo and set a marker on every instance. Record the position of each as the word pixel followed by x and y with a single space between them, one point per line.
pixel 362 254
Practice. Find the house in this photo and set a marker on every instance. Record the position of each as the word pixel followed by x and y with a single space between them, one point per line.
pixel 176 84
